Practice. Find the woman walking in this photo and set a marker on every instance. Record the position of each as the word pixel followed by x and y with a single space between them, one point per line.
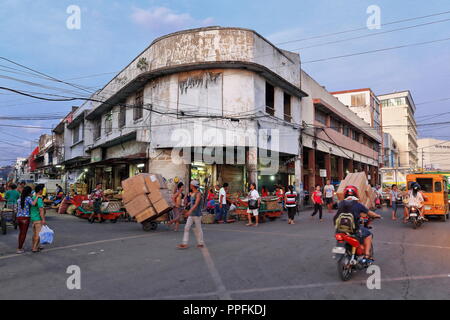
pixel 37 216
pixel 97 196
pixel 24 205
pixel 290 199
pixel 318 202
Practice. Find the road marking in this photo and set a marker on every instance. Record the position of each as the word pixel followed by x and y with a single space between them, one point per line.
pixel 304 286
pixel 331 238
pixel 85 244
pixel 221 290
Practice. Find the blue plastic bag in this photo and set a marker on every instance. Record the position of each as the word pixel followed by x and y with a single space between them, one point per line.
pixel 46 235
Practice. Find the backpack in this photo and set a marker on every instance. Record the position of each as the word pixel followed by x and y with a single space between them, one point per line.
pixel 345 223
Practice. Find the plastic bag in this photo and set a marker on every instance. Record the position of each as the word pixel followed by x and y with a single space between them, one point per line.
pixel 46 235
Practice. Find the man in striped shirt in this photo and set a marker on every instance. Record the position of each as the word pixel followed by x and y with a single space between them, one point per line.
pixel 290 200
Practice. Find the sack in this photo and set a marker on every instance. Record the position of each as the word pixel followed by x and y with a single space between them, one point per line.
pixel 345 223
pixel 253 204
pixel 46 235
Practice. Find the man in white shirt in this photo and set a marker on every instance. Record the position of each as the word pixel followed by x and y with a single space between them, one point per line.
pixel 329 194
pixel 223 206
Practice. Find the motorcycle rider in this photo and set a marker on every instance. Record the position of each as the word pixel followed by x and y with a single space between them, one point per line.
pixel 352 205
pixel 415 199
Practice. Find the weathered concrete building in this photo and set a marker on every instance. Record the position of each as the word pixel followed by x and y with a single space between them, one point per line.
pixel 210 92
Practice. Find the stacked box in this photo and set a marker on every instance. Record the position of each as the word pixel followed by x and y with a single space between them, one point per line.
pixel 146 196
pixel 359 180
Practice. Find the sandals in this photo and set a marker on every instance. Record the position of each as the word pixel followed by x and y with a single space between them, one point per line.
pixel 182 246
pixel 20 251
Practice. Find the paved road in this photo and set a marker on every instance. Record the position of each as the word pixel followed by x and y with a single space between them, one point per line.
pixel 274 261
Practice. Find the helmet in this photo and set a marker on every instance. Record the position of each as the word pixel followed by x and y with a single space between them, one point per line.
pixel 415 186
pixel 351 191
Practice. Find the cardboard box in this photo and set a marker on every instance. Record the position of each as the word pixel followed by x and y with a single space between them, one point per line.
pixel 155 182
pixel 127 196
pixel 138 205
pixel 162 206
pixel 136 185
pixel 358 180
pixel 159 194
pixel 146 214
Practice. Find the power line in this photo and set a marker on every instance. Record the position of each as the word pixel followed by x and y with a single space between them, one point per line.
pixel 362 28
pixel 377 50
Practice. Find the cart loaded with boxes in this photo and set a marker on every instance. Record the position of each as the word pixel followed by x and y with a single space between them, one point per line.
pixel 147 199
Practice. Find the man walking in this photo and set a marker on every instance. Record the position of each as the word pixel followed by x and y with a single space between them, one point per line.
pixel 223 206
pixel 194 216
pixel 329 194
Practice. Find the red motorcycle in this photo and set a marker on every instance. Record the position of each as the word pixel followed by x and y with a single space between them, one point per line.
pixel 349 253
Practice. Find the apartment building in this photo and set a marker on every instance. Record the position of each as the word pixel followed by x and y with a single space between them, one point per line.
pixel 336 141
pixel 398 113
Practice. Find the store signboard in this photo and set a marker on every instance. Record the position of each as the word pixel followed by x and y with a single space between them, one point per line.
pixel 323 173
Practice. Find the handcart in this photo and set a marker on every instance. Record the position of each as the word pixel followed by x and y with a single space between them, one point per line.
pixel 7 218
pixel 151 224
pixel 82 213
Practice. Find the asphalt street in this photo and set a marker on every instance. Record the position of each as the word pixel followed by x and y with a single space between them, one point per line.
pixel 274 261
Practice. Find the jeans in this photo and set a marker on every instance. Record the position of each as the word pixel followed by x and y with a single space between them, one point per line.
pixel 222 213
pixel 197 231
pixel 317 208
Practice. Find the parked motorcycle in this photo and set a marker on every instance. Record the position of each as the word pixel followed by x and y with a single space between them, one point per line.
pixel 349 253
pixel 414 217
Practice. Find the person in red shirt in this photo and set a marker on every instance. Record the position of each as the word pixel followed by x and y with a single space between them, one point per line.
pixel 264 192
pixel 317 199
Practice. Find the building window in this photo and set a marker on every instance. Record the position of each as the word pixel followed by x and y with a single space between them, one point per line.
pixel 346 131
pixel 321 117
pixel 358 100
pixel 270 99
pixel 356 136
pixel 76 134
pixel 122 116
pixel 138 110
pixel 287 108
pixel 108 123
pixel 335 125
pixel 97 129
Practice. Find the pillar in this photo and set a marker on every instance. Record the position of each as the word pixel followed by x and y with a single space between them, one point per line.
pixel 328 165
pixel 312 168
pixel 252 166
pixel 351 166
pixel 341 173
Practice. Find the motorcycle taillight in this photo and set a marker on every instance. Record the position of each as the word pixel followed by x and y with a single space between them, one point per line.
pixel 339 237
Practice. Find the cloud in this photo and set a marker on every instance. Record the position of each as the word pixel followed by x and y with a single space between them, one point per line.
pixel 162 19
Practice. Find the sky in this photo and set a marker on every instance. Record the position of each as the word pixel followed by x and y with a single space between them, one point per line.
pixel 112 33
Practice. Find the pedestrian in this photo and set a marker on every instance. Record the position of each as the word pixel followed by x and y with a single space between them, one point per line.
pixel 395 196
pixel 223 206
pixel 291 203
pixel 329 194
pixel 24 205
pixel 254 202
pixel 194 216
pixel 280 195
pixel 264 192
pixel 21 187
pixel 177 199
pixel 97 196
pixel 11 197
pixel 37 216
pixel 318 202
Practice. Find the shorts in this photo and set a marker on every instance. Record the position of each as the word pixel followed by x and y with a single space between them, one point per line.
pixel 394 205
pixel 254 212
pixel 328 200
pixel 363 233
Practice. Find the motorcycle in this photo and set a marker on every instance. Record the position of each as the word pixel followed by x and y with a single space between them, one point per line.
pixel 414 217
pixel 349 253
